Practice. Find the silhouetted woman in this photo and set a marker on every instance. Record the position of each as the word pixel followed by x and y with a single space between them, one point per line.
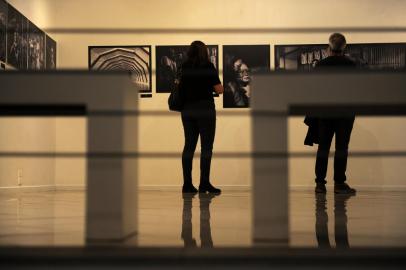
pixel 199 78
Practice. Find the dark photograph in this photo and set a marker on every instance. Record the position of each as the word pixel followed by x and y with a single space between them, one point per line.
pixel 36 48
pixel 3 30
pixel 135 59
pixel 169 60
pixel 50 53
pixel 370 56
pixel 15 39
pixel 24 44
pixel 239 63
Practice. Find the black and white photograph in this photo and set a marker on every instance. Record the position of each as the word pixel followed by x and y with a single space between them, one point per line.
pixel 24 44
pixel 50 53
pixel 15 27
pixel 370 56
pixel 239 63
pixel 3 30
pixel 36 47
pixel 169 59
pixel 135 59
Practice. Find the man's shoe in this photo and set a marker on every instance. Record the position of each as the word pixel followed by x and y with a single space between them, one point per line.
pixel 343 188
pixel 189 189
pixel 320 188
pixel 209 188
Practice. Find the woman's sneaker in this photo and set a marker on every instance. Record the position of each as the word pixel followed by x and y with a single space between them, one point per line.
pixel 209 188
pixel 320 188
pixel 189 188
pixel 343 188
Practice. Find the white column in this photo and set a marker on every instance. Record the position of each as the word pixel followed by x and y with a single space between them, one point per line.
pixel 270 185
pixel 111 201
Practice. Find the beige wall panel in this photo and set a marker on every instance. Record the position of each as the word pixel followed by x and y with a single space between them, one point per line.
pixel 70 136
pixel 233 133
pixel 29 135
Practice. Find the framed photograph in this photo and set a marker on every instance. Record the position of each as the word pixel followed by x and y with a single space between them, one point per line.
pixel 135 59
pixel 50 63
pixel 169 59
pixel 239 63
pixel 36 47
pixel 299 57
pixel 370 56
pixel 378 56
pixel 15 38
pixel 24 44
pixel 3 30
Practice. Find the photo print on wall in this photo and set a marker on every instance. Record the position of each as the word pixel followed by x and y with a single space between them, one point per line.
pixel 50 53
pixel 16 38
pixel 370 56
pixel 239 63
pixel 25 44
pixel 3 30
pixel 135 59
pixel 36 47
pixel 169 59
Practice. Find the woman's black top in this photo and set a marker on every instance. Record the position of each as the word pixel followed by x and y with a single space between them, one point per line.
pixel 197 82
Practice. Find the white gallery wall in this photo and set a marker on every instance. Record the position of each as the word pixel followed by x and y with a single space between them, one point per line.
pixel 29 134
pixel 164 133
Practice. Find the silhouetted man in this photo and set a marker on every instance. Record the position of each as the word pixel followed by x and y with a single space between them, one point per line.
pixel 340 126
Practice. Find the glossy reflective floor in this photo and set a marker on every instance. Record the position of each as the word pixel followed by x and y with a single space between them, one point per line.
pixel 166 218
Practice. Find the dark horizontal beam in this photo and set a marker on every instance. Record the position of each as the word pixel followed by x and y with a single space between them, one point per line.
pixel 132 155
pixel 342 111
pixel 332 110
pixel 231 30
pixel 42 110
pixel 121 257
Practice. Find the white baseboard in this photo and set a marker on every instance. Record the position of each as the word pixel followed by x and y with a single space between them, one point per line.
pixel 291 188
pixel 380 188
pixel 358 187
pixel 18 189
pixel 70 188
pixel 46 188
pixel 179 187
pixel 247 188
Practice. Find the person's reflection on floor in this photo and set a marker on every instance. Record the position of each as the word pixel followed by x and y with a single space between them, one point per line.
pixel 205 227
pixel 340 220
pixel 187 230
pixel 322 221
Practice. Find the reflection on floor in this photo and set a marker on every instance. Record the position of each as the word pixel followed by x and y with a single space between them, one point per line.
pixel 166 218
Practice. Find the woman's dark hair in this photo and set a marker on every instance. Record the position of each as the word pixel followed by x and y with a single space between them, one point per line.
pixel 198 54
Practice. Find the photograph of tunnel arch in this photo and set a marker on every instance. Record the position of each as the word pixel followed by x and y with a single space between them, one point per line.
pixel 135 59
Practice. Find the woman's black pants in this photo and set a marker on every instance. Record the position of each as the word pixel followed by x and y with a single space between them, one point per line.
pixel 198 118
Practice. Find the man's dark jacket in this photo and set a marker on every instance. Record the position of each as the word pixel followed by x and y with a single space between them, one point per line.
pixel 329 63
pixel 312 136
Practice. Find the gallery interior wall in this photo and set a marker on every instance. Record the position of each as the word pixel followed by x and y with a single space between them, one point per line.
pixel 165 134
pixel 28 134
